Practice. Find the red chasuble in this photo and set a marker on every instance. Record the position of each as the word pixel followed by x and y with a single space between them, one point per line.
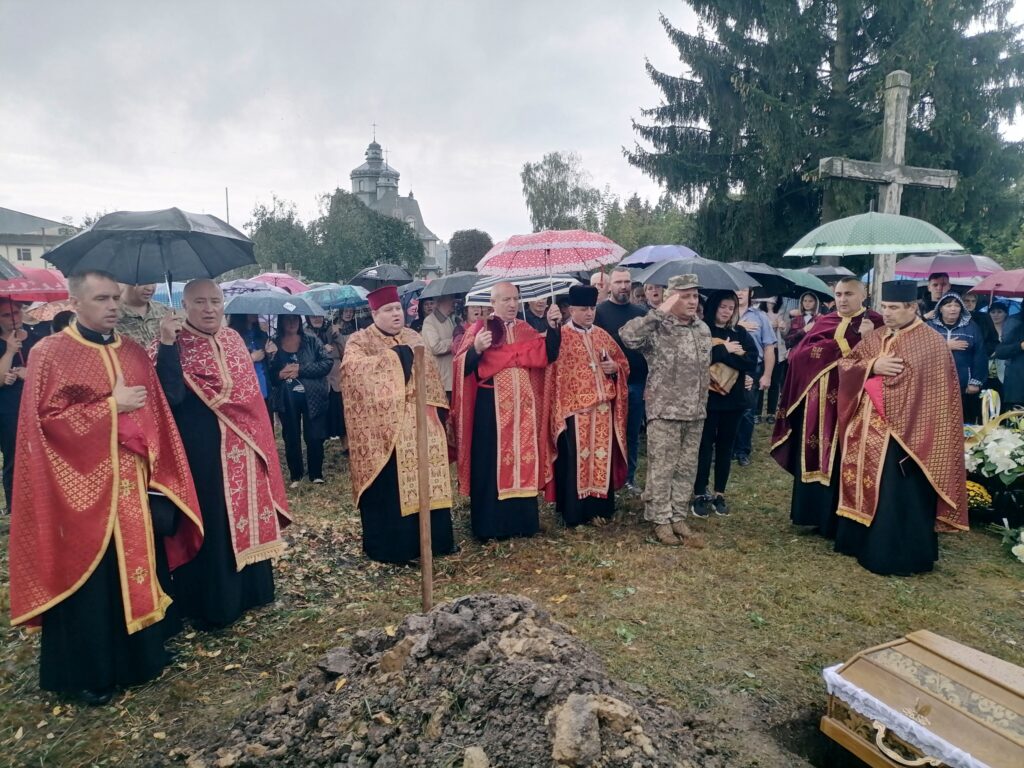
pixel 813 381
pixel 219 371
pixel 380 418
pixel 83 475
pixel 920 410
pixel 575 386
pixel 517 367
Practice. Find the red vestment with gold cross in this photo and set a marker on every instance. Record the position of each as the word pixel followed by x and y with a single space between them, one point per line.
pixel 812 381
pixel 218 369
pixel 576 387
pixel 83 478
pixel 516 366
pixel 919 408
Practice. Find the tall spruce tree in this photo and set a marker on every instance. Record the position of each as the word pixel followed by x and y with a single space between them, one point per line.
pixel 771 86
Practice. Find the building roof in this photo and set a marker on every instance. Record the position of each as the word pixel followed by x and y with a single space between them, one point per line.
pixel 18 223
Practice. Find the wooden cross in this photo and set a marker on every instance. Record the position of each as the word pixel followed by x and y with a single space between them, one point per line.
pixel 890 173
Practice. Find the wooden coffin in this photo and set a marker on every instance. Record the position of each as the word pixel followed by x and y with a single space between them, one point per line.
pixel 925 700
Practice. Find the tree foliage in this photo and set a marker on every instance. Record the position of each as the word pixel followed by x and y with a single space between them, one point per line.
pixel 637 223
pixel 345 238
pixel 559 194
pixel 279 236
pixel 770 87
pixel 467 247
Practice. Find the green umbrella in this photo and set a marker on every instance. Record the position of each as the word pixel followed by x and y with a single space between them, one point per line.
pixel 804 281
pixel 870 234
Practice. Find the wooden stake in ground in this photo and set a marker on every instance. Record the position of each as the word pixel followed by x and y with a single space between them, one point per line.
pixel 890 173
pixel 419 374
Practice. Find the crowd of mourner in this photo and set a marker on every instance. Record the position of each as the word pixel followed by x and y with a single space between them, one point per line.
pixel 141 467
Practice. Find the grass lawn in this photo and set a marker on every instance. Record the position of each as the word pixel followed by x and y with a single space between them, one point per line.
pixel 737 632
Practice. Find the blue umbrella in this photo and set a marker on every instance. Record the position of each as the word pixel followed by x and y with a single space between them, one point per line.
pixel 650 254
pixel 337 296
pixel 273 303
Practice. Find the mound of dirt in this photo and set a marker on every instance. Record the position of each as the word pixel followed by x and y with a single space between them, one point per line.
pixel 486 680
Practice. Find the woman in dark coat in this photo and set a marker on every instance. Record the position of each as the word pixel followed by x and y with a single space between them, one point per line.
pixel 299 368
pixel 328 334
pixel 256 341
pixel 732 348
pixel 967 343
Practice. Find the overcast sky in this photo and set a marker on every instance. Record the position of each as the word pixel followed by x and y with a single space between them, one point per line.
pixel 129 106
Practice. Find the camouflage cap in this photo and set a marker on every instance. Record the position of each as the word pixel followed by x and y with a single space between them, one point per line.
pixel 682 282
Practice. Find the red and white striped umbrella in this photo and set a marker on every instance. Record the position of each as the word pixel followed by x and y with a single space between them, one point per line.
pixel 550 252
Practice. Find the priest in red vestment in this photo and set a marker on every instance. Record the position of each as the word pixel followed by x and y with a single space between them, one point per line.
pixel 208 376
pixel 103 503
pixel 380 416
pixel 585 403
pixel 806 439
pixel 902 473
pixel 497 400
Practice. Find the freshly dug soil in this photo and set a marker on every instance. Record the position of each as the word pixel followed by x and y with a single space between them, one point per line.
pixel 485 680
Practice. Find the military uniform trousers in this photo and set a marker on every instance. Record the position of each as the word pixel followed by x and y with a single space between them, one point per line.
pixel 672 449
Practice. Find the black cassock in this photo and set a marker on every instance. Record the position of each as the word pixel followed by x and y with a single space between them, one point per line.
pixel 813 504
pixel 490 517
pixel 388 537
pixel 209 589
pixel 574 510
pixel 901 540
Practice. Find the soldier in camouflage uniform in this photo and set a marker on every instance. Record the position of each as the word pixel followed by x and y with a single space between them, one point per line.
pixel 678 350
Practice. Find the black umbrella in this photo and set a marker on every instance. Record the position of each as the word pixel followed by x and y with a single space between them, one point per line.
pixel 380 275
pixel 414 287
pixel 273 303
pixel 142 247
pixel 772 281
pixel 454 284
pixel 712 275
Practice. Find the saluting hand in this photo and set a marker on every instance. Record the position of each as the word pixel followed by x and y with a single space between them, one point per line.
pixel 482 341
pixel 128 398
pixel 887 365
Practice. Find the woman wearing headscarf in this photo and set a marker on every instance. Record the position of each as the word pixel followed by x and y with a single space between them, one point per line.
pixel 967 343
pixel 733 359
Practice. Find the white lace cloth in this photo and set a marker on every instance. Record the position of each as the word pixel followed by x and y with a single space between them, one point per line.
pixel 901 725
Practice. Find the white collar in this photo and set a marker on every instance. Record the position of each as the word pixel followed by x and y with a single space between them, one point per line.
pixel 579 329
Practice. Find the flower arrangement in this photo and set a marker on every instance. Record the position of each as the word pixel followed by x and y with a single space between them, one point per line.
pixel 997 452
pixel 978 498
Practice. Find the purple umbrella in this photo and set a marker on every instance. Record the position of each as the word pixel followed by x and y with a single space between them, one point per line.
pixel 953 264
pixel 650 254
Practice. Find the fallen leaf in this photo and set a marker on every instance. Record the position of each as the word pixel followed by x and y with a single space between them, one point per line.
pixel 342 682
pixel 390 630
pixel 382 717
pixel 57 710
pixel 159 735
pixel 559 599
pixel 229 667
pixel 18 734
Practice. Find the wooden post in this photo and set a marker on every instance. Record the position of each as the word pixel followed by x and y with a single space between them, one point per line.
pixel 894 137
pixel 419 368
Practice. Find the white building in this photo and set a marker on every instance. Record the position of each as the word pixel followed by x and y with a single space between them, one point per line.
pixel 24 238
